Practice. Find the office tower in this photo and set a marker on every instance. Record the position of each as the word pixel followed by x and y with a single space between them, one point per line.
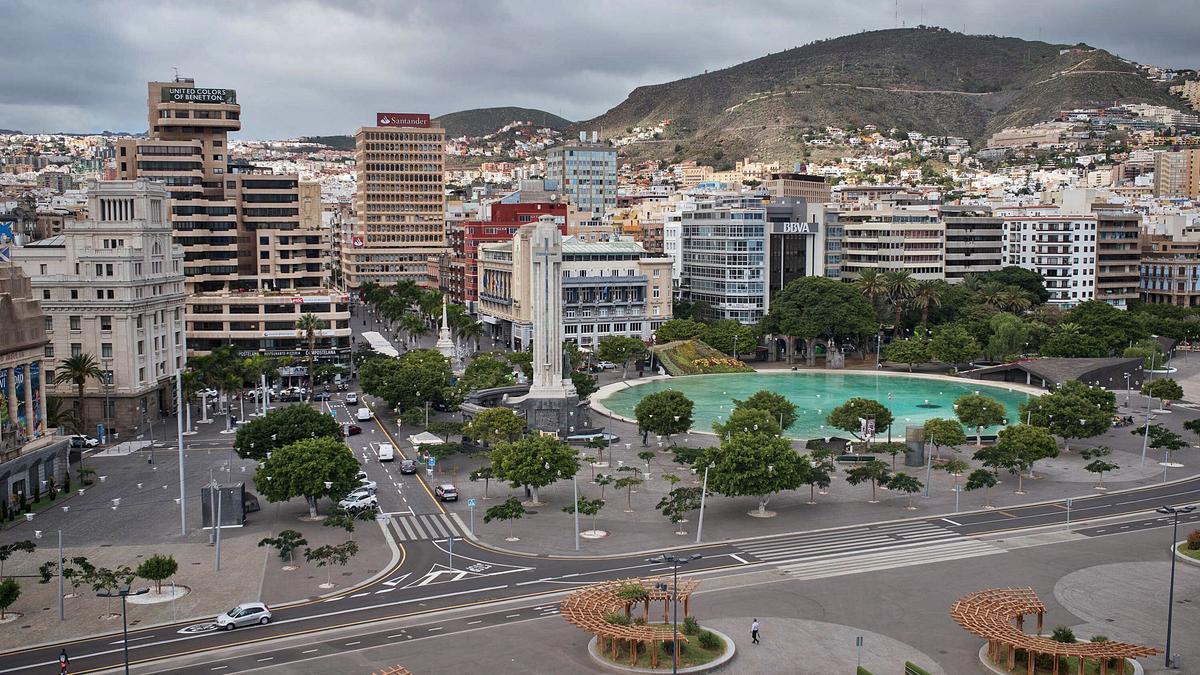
pixel 399 204
pixel 585 172
pixel 254 251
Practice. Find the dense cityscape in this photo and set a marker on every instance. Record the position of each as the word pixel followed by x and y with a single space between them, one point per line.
pixel 872 353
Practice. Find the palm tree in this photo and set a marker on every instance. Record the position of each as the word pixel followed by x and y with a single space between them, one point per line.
pixel 190 384
pixel 870 284
pixel 308 325
pixel 223 371
pixel 77 370
pixel 992 295
pixel 415 326
pixel 1014 302
pixel 430 302
pixel 899 287
pixel 927 295
pixel 58 416
pixel 471 330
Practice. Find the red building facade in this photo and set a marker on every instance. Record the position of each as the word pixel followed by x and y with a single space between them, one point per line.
pixel 504 222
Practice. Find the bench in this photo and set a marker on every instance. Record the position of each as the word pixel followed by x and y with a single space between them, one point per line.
pixel 854 459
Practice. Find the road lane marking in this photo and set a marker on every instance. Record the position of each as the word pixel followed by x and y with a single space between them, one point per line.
pixel 218 667
pixel 393 637
pixel 436 628
pixel 1006 513
pixel 351 644
pixel 472 623
pixel 266 658
pixel 309 651
pixel 739 558
pixel 512 616
pixel 952 522
pixel 359 595
pixel 386 590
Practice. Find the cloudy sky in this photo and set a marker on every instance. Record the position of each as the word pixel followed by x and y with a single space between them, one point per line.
pixel 325 67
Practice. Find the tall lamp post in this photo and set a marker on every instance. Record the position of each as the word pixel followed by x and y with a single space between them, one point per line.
pixel 1172 511
pixel 675 562
pixel 703 494
pixel 124 592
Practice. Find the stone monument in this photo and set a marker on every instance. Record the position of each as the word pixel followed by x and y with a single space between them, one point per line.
pixel 445 345
pixel 552 398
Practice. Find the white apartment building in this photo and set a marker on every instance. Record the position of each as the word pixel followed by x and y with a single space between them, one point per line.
pixel 112 287
pixel 1061 247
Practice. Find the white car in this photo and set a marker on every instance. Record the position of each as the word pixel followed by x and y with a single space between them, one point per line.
pixel 363 491
pixel 81 441
pixel 356 502
pixel 351 398
pixel 245 614
pixel 607 365
pixel 210 394
pixel 368 483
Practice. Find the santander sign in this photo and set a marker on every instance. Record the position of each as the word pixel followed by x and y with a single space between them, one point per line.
pixel 401 120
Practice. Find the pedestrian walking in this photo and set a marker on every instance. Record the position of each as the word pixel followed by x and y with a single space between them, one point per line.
pixel 754 631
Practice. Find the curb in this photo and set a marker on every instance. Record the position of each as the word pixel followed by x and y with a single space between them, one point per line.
pixel 702 668
pixel 1179 554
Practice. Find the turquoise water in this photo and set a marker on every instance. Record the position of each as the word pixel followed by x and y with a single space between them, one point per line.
pixel 815 393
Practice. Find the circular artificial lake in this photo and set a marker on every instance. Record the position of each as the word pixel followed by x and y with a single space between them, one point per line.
pixel 912 400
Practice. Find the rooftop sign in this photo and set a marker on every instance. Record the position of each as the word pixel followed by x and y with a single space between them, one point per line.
pixel 194 95
pixel 401 120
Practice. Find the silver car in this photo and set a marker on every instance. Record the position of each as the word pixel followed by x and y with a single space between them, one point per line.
pixel 245 614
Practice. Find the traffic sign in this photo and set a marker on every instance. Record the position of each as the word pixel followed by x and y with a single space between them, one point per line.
pixel 471 503
pixel 432 462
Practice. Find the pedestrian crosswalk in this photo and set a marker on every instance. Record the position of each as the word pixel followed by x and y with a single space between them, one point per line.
pixel 815 555
pixel 424 526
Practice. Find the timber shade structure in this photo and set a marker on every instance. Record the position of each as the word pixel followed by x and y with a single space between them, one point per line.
pixel 588 608
pixel 998 616
pixel 393 670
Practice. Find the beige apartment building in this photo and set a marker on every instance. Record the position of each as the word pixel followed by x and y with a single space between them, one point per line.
pixel 609 288
pixel 891 239
pixel 112 288
pixel 1177 174
pixel 255 254
pixel 812 189
pixel 400 204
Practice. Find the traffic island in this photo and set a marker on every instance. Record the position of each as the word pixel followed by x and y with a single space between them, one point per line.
pixel 694 657
pixel 1187 555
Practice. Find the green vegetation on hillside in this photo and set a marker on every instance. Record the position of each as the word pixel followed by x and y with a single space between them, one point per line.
pixel 483 121
pixel 692 357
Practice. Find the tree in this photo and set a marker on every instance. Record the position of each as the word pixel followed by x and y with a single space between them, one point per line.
pixel 820 473
pixel 811 308
pixel 308 326
pixel 747 420
pixel 222 369
pixel 902 482
pixel 534 462
pixel 622 350
pixel 1008 336
pixel 586 507
pixel 157 568
pixel 729 336
pixel 6 551
pixel 1098 464
pixel 754 464
pixel 847 416
pixel 585 383
pixel 912 352
pixel 955 467
pixel 509 510
pixel 77 370
pixel 329 555
pixel 281 427
pixel 953 344
pixel 926 296
pixel 1161 437
pixel 1193 426
pixel 1070 340
pixel 678 503
pixel 485 371
pixel 781 409
pixel 286 543
pixel 10 590
pixel 1073 410
pixel 409 381
pixel 1020 445
pixel 347 519
pixel 874 471
pixel 943 432
pixel 678 329
pixel 899 286
pixel 663 413
pixel 979 411
pixel 1026 280
pixel 1166 389
pixel 494 426
pixel 627 483
pixel 109 580
pixel 485 474
pixel 981 478
pixel 893 449
pixel 522 360
pixel 301 469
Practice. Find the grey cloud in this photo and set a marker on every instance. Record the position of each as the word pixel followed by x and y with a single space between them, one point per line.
pixel 325 66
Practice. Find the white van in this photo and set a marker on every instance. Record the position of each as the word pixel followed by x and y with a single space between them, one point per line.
pixel 364 414
pixel 386 452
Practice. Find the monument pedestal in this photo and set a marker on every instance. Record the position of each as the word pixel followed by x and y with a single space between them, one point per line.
pixel 551 414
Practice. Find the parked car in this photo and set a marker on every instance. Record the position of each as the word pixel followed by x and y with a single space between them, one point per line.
pixel 360 501
pixel 607 365
pixel 446 493
pixel 361 476
pixel 322 396
pixel 210 394
pixel 245 614
pixel 368 483
pixel 351 430
pixel 351 398
pixel 363 414
pixel 387 453
pixel 409 466
pixel 363 491
pixel 81 441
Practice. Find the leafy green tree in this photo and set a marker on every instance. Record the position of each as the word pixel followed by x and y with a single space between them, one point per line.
pixel 157 568
pixel 10 590
pixel 522 360
pixel 820 472
pixel 811 308
pixel 953 344
pixel 1026 280
pixel 678 503
pixel 485 474
pixel 308 326
pixel 447 429
pixel 77 370
pixel 754 464
pixel 1116 328
pixel 979 411
pixel 286 543
pixel 509 510
pixel 534 462
pixel 1073 410
pixel 912 352
pixel 6 551
pixel 1071 341
pixel 495 425
pixel 899 287
pixel 874 471
pixel 109 580
pixel 955 467
pixel 627 483
pixel 943 432
pixel 1166 389
pixel 409 381
pixel 347 520
pixel 1008 337
pixel 847 415
pixel 329 555
pixel 1023 444
pixel 729 336
pixel 678 329
pixel 1162 438
pixel 586 507
pixel 1193 426
pixel 894 448
pixel 782 410
pixel 585 383
pixel 747 420
pixel 902 482
pixel 302 469
pixel 663 413
pixel 1098 464
pixel 622 350
pixel 283 426
pixel 981 478
pixel 485 371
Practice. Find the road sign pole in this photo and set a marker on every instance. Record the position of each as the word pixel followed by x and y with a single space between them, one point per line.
pixel 858 643
pixel 471 507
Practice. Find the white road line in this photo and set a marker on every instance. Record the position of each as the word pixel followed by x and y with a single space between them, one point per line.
pixel 218 667
pixel 393 637
pixel 738 558
pixel 472 623
pixel 309 651
pixel 359 595
pixel 512 616
pixel 351 644
pixel 266 658
pixel 386 590
pixel 952 522
pixel 436 628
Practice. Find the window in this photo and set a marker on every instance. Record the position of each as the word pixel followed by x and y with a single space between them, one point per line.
pixel 141 347
pixel 141 374
pixel 45 293
pixel 49 324
pixel 76 349
pixel 106 350
pixel 105 322
pixel 655 294
pixel 49 351
pixel 74 293
pixel 139 321
pixel 73 323
pixel 42 268
pixel 99 294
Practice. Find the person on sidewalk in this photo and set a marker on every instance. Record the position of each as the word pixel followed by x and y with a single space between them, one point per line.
pixel 754 631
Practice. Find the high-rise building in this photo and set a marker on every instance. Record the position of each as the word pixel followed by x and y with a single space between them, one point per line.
pixel 585 173
pixel 1117 254
pixel 399 203
pixel 812 189
pixel 1060 247
pixel 974 241
pixel 254 250
pixel 893 238
pixel 1177 174
pixel 112 288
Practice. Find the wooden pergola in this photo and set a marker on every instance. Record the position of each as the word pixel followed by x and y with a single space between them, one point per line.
pixel 393 670
pixel 998 616
pixel 588 607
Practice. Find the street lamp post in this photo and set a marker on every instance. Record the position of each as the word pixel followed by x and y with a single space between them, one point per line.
pixel 703 494
pixel 1173 511
pixel 124 592
pixel 675 562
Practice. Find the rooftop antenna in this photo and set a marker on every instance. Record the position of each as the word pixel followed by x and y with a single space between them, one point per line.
pixel 176 69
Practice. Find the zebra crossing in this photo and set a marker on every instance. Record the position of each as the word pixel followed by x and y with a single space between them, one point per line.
pixel 424 526
pixel 817 555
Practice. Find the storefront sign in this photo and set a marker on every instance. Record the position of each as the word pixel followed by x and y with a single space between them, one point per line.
pixel 401 120
pixel 794 228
